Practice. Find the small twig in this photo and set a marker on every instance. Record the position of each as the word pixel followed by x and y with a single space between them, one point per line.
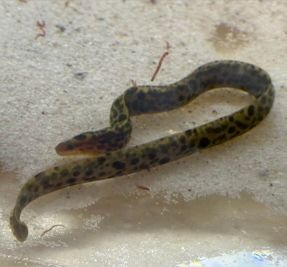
pixel 143 187
pixel 41 26
pixel 160 61
pixel 67 2
pixel 51 228
pixel 133 82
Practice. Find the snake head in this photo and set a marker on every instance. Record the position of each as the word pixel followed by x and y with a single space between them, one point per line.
pixel 92 143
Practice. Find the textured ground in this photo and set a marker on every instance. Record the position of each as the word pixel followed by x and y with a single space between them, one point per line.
pixel 60 84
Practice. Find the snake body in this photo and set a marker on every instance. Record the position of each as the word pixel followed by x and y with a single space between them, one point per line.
pixel 112 159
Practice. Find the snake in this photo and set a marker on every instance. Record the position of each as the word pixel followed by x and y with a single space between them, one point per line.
pixel 106 153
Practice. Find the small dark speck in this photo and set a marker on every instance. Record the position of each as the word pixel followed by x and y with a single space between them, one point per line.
pixel 61 28
pixel 69 65
pixel 80 75
pixel 44 113
pixel 271 184
pixel 264 173
pixel 68 196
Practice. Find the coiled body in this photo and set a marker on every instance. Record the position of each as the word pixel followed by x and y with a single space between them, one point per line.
pixel 110 159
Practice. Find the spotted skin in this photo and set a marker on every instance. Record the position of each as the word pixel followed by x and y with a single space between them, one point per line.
pixel 115 160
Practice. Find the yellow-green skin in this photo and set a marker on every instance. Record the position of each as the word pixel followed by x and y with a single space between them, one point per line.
pixel 114 160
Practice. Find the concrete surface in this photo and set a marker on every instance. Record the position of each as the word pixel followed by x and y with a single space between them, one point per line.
pixel 225 199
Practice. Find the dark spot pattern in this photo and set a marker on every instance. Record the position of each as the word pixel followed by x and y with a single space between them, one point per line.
pixel 164 160
pixel 119 165
pixel 149 99
pixel 182 140
pixel 23 200
pixel 204 142
pixel 64 172
pixel 101 160
pixel 181 98
pixel 164 148
pixel 88 172
pixel 45 181
pixel 134 161
pixel 188 132
pixel 152 155
pixel 122 117
pixel 231 129
pixel 71 180
pixel 183 148
pixel 241 125
pixel 76 173
pixel 141 95
pixel 251 110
